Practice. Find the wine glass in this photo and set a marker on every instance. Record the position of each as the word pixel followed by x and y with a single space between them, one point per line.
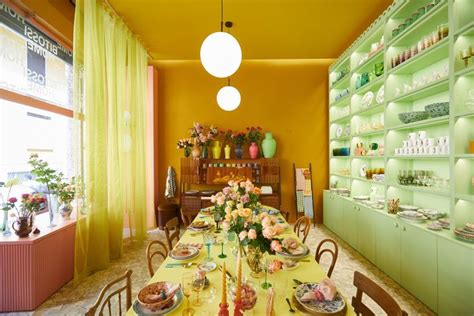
pixel 187 288
pixel 217 219
pixel 222 242
pixel 199 280
pixel 266 285
pixel 208 239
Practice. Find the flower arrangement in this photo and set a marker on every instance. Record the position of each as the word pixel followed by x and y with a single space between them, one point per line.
pixel 66 191
pixel 203 135
pixel 30 203
pixel 186 144
pixel 227 136
pixel 238 138
pixel 237 203
pixel 10 201
pixel 254 134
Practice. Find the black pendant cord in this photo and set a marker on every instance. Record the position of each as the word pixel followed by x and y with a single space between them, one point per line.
pixel 228 81
pixel 222 15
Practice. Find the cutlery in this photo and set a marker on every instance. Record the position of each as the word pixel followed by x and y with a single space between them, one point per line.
pixel 227 273
pixel 184 265
pixel 298 282
pixel 289 304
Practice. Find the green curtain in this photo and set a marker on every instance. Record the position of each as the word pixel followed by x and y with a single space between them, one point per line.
pixel 109 104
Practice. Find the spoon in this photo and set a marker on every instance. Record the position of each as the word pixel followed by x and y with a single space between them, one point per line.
pixel 289 304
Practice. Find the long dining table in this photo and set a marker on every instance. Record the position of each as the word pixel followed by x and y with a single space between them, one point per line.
pixel 282 281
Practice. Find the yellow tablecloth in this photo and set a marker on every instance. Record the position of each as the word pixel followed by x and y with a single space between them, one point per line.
pixel 282 280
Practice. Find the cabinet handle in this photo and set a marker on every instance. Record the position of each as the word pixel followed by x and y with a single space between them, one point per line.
pixel 396 225
pixel 404 228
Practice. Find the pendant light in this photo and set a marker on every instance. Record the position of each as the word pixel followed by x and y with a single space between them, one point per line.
pixel 228 98
pixel 221 54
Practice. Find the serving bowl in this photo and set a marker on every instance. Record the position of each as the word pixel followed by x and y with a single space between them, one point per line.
pixel 410 117
pixel 437 109
pixel 152 297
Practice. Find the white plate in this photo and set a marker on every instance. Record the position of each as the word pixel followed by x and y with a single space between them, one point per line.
pixel 380 95
pixel 207 266
pixel 339 132
pixel 177 253
pixel 367 99
pixel 361 197
pixel 408 207
pixel 363 171
pixel 291 268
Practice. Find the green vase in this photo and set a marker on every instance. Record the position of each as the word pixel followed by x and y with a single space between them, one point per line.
pixel 269 146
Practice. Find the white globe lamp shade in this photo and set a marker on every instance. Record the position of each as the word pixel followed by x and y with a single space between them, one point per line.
pixel 228 98
pixel 221 54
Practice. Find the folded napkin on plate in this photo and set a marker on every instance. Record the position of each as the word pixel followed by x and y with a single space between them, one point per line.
pixel 198 246
pixel 270 297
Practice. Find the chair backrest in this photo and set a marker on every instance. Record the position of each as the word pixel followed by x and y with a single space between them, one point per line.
pixel 285 214
pixel 377 294
pixel 188 217
pixel 172 231
pixel 103 300
pixel 302 226
pixel 334 253
pixel 163 252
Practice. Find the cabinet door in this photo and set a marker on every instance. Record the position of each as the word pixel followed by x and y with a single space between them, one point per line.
pixel 455 278
pixel 387 246
pixel 366 232
pixel 349 220
pixel 419 254
pixel 328 213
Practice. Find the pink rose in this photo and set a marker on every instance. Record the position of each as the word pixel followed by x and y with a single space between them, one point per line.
pixel 269 232
pixel 279 229
pixel 252 234
pixel 226 190
pixel 242 184
pixel 245 198
pixel 213 199
pixel 220 200
pixel 275 266
pixel 25 196
pixel 12 200
pixel 225 225
pixel 276 246
pixel 242 235
pixel 267 221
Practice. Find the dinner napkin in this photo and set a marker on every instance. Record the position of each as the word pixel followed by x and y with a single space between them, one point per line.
pixel 270 297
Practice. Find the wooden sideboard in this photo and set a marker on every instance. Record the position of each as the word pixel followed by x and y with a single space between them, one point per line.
pixel 200 178
pixel 35 267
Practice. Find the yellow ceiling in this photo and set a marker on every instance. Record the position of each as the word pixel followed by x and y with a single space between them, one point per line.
pixel 266 29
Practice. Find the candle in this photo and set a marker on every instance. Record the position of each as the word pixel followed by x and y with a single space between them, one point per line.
pixel 224 286
pixel 239 279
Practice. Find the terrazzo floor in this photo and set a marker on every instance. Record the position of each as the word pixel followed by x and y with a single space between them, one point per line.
pixel 71 300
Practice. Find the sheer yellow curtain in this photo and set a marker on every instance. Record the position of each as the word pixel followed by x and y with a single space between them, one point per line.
pixel 110 100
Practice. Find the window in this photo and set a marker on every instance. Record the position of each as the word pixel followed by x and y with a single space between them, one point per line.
pixel 35 114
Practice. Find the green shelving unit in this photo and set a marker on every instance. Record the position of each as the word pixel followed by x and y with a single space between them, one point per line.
pixel 436 74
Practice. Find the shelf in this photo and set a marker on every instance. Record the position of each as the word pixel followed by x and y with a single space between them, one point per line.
pixel 340 157
pixel 469 71
pixel 466 30
pixel 377 108
pixel 341 119
pixel 464 114
pixel 367 157
pixel 420 189
pixel 340 175
pixel 425 123
pixel 424 59
pixel 371 133
pixel 464 156
pixel 340 139
pixel 340 84
pixel 369 63
pixel 340 101
pixel 423 92
pixel 369 85
pixel 368 181
pixel 421 157
pixel 406 37
pixel 465 197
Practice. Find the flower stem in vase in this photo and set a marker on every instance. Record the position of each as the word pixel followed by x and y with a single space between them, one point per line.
pixel 266 285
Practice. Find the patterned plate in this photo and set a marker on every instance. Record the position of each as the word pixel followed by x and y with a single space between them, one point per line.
pixel 335 307
pixel 142 311
pixel 305 252
pixel 184 253
pixel 200 225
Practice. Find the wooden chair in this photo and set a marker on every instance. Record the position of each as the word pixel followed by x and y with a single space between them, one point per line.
pixel 172 231
pixel 101 303
pixel 151 253
pixel 377 294
pixel 188 217
pixel 302 226
pixel 320 252
pixel 286 215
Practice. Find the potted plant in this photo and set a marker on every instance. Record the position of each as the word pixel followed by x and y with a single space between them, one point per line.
pixel 254 136
pixel 186 144
pixel 30 205
pixel 238 139
pixel 66 193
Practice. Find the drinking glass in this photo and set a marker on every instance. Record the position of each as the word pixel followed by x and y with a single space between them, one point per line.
pixel 222 242
pixel 199 280
pixel 217 219
pixel 266 284
pixel 187 288
pixel 208 239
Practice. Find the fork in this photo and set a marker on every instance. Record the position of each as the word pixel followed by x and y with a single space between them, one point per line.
pixel 289 304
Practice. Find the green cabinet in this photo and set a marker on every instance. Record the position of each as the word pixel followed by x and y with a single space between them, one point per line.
pixel 366 232
pixel 387 246
pixel 349 223
pixel 419 263
pixel 332 212
pixel 455 278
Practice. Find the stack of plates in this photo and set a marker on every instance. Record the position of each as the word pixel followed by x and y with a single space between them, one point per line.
pixel 431 213
pixel 412 216
pixel 408 208
pixel 359 198
pixel 466 233
pixel 444 222
pixel 344 192
pixel 184 253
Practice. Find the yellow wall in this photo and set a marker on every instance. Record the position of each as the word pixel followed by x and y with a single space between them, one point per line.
pixel 288 98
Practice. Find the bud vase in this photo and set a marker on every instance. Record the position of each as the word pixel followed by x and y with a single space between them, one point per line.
pixel 216 150
pixel 238 151
pixel 66 210
pixel 51 210
pixel 6 226
pixel 205 152
pixel 269 146
pixel 187 151
pixel 227 152
pixel 253 150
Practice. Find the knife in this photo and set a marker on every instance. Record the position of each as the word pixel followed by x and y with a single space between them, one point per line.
pixel 297 281
pixel 226 272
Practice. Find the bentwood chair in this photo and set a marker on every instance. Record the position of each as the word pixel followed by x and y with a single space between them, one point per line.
pixel 188 217
pixel 302 226
pixel 377 294
pixel 286 215
pixel 115 287
pixel 151 253
pixel 334 253
pixel 172 231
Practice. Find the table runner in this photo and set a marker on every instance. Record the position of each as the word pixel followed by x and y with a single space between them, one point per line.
pixel 282 280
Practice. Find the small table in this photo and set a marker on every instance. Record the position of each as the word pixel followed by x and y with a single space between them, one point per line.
pixel 34 267
pixel 282 280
